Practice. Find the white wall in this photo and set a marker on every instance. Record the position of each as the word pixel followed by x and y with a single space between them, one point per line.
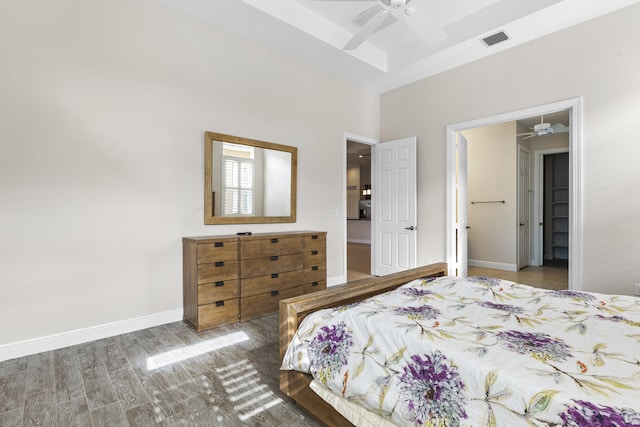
pixel 492 153
pixel 103 108
pixel 599 61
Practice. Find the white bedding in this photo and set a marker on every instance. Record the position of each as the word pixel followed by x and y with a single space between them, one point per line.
pixel 357 415
pixel 479 351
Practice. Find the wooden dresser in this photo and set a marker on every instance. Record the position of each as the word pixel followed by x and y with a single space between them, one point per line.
pixel 233 278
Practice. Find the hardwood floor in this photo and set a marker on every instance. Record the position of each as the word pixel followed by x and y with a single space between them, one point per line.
pixel 171 376
pixel 546 277
pixel 167 375
pixel 358 261
pixel 359 266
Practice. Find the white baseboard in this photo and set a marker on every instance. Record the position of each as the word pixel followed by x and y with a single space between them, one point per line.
pixel 363 241
pixel 494 265
pixel 337 280
pixel 79 336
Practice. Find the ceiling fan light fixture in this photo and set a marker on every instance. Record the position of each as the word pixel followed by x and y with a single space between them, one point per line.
pixel 395 4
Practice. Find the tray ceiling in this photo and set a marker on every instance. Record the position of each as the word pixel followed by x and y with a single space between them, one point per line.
pixel 315 31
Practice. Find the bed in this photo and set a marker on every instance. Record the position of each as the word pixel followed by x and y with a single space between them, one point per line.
pixel 420 348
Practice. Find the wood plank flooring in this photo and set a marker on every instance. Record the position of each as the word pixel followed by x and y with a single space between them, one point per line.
pixel 546 277
pixel 171 376
pixel 167 375
pixel 556 278
pixel 358 261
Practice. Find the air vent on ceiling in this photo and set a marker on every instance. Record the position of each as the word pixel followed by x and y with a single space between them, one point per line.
pixel 495 38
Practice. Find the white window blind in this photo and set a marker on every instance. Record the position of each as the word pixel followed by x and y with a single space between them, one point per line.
pixel 238 186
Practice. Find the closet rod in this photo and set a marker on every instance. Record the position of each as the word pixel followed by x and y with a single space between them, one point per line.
pixel 490 201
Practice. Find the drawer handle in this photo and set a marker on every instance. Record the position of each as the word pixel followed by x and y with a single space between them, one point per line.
pixel 218 244
pixel 314 268
pixel 315 284
pixel 219 284
pixel 314 237
pixel 274 258
pixel 314 252
pixel 274 293
pixel 219 263
pixel 219 303
pixel 275 275
pixel 274 240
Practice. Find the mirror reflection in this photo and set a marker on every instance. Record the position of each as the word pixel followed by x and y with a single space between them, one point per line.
pixel 248 181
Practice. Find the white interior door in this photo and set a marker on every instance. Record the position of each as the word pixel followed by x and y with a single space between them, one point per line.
pixel 394 215
pixel 462 224
pixel 524 207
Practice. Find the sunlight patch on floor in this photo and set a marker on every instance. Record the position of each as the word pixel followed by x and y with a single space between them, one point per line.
pixel 243 385
pixel 183 353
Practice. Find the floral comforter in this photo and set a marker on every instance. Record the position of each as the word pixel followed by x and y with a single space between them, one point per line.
pixel 479 352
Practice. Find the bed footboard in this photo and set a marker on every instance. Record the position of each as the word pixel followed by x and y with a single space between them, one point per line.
pixel 294 310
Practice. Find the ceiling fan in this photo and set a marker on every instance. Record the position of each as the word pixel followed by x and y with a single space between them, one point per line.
pixel 542 129
pixel 386 12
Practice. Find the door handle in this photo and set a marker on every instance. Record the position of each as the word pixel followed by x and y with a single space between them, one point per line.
pixel 522 224
pixel 411 228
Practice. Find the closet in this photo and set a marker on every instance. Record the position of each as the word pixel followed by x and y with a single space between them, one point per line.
pixel 556 209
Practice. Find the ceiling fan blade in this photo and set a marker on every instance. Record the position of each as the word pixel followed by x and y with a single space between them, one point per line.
pixel 527 135
pixel 424 25
pixel 559 128
pixel 367 29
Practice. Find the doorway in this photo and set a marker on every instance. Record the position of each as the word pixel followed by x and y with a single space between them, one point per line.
pixel 455 247
pixel 358 190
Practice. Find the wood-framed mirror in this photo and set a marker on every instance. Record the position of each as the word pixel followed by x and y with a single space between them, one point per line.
pixel 247 181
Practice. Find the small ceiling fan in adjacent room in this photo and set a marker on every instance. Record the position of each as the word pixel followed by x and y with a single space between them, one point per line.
pixel 387 12
pixel 542 129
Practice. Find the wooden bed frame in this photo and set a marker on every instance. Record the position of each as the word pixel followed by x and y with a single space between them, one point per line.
pixel 293 310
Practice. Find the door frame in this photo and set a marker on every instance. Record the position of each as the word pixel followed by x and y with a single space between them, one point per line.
pixel 362 140
pixel 574 105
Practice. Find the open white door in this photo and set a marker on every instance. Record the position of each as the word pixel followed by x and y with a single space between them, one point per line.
pixel 462 225
pixel 524 207
pixel 394 215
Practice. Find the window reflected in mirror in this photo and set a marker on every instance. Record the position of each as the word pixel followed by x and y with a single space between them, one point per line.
pixel 248 181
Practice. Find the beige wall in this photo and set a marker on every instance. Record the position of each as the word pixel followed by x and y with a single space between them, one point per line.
pixel 103 108
pixel 492 159
pixel 599 61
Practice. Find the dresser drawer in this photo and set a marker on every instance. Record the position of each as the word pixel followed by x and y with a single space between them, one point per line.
pixel 268 247
pixel 273 264
pixel 217 251
pixel 218 313
pixel 315 257
pixel 230 278
pixel 314 274
pixel 216 271
pixel 272 282
pixel 319 285
pixel 316 242
pixel 263 304
pixel 217 291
